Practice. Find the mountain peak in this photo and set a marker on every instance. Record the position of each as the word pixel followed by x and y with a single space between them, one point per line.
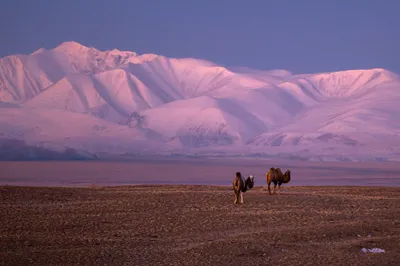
pixel 117 52
pixel 39 51
pixel 71 46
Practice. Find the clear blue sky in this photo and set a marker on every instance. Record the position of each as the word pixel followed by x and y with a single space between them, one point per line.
pixel 302 36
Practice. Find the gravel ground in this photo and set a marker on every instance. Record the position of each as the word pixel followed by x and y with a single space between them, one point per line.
pixel 198 225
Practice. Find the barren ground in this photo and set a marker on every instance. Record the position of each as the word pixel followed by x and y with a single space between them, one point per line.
pixel 198 225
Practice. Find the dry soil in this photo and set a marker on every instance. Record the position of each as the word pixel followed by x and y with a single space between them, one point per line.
pixel 198 225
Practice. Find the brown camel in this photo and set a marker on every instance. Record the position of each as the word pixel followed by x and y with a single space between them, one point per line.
pixel 276 176
pixel 241 185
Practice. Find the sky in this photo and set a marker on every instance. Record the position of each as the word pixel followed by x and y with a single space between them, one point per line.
pixel 306 36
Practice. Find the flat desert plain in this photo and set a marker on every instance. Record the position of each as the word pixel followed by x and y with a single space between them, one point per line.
pixel 93 223
pixel 198 225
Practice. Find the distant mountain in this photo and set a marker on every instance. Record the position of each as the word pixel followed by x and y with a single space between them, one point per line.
pixel 120 102
pixel 18 150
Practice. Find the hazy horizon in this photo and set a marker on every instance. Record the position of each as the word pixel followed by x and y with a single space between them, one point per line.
pixel 306 37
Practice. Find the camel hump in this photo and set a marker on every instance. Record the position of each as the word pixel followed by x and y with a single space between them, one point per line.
pixel 272 169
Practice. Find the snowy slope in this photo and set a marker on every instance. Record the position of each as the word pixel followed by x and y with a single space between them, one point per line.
pixel 119 101
pixel 67 129
pixel 365 120
pixel 204 120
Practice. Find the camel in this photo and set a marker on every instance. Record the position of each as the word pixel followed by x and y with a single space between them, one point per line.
pixel 276 176
pixel 241 185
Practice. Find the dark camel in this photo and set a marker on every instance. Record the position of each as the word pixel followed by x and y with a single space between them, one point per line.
pixel 241 185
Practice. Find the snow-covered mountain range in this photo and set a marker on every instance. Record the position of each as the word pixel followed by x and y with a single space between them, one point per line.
pixel 121 102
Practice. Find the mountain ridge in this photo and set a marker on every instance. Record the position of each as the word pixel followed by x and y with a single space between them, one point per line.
pixel 186 105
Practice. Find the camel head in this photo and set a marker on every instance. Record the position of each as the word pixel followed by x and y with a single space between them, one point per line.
pixel 286 176
pixel 250 181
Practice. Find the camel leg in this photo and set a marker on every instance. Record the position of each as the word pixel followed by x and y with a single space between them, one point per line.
pixel 236 197
pixel 274 188
pixel 279 187
pixel 241 197
pixel 269 188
